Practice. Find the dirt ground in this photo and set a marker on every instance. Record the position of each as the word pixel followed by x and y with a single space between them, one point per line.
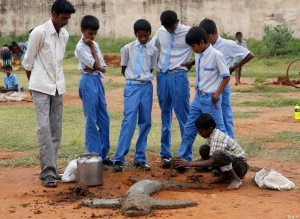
pixel 22 195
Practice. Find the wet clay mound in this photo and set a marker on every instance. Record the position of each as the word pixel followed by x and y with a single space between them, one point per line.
pixel 112 60
pixel 137 201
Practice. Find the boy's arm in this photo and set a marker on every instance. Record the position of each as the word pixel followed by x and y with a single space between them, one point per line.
pixel 155 41
pixel 15 88
pixel 180 162
pixel 95 63
pixel 124 59
pixel 242 62
pixel 154 59
pixel 224 73
pixel 215 97
pixel 35 43
pixel 123 70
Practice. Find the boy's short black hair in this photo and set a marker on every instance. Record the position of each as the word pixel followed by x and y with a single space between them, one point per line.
pixel 168 18
pixel 143 25
pixel 238 34
pixel 89 22
pixel 14 43
pixel 205 121
pixel 63 7
pixel 7 67
pixel 195 35
pixel 209 26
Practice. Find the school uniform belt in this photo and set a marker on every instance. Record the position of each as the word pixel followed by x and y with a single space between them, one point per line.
pixel 96 73
pixel 202 93
pixel 136 82
pixel 175 70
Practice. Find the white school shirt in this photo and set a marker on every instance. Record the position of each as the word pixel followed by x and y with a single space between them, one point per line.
pixel 180 51
pixel 231 51
pixel 212 70
pixel 84 55
pixel 243 43
pixel 43 58
pixel 128 58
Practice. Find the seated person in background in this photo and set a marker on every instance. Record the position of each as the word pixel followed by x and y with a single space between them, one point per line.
pixel 11 82
pixel 220 151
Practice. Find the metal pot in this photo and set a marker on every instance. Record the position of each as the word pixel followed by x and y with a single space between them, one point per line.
pixel 90 169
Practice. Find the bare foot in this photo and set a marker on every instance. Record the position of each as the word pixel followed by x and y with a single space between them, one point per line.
pixel 221 179
pixel 235 184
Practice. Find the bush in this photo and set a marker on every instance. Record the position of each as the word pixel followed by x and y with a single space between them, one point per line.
pixel 277 40
pixel 227 36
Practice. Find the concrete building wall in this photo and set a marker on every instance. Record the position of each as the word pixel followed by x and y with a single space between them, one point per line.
pixel 117 16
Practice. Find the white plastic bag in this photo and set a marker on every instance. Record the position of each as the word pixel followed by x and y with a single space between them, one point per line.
pixel 71 169
pixel 272 180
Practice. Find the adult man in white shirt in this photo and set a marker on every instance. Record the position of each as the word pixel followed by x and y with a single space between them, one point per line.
pixel 42 62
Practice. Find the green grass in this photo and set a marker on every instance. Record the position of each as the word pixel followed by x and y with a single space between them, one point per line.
pixel 264 88
pixel 285 154
pixel 269 103
pixel 244 115
pixel 252 146
pixel 27 161
pixel 285 136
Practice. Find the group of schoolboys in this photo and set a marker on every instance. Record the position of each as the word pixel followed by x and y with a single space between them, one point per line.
pixel 209 114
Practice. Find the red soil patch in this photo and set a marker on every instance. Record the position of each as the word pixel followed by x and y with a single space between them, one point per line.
pixel 23 196
pixel 112 60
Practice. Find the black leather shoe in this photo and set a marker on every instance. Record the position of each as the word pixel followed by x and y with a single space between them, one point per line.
pixel 142 166
pixel 108 162
pixel 165 162
pixel 117 167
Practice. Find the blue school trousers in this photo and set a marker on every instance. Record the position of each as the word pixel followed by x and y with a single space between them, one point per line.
pixel 201 104
pixel 173 92
pixel 138 98
pixel 91 92
pixel 227 111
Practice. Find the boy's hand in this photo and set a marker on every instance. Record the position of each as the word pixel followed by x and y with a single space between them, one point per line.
pixel 214 100
pixel 189 64
pixel 179 162
pixel 88 42
pixel 87 69
pixel 231 69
